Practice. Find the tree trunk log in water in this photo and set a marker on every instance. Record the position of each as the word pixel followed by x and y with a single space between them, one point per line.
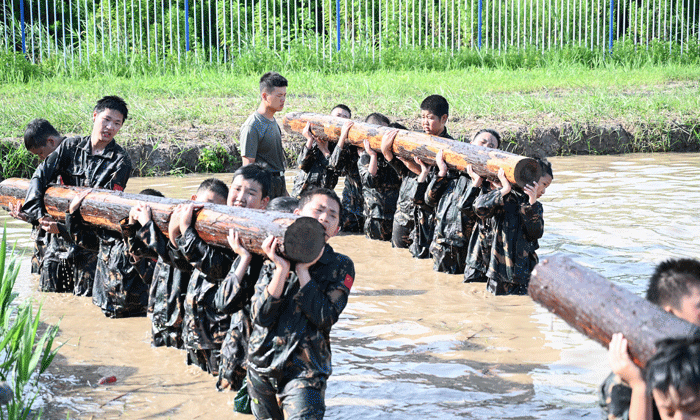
pixel 598 308
pixel 486 162
pixel 302 237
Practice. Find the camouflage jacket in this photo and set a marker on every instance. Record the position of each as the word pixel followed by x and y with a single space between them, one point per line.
pixel 452 197
pixel 166 296
pixel 204 326
pixel 614 397
pixel 405 207
pixel 517 227
pixel 480 244
pixel 344 162
pixel 313 171
pixel 381 191
pixel 291 334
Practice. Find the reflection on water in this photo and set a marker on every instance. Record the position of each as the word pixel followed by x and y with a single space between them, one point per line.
pixel 413 343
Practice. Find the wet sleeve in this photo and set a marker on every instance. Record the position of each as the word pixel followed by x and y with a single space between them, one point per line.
pixel 338 159
pixel 212 261
pixel 467 196
pixel 79 234
pixel 486 205
pixel 249 140
pixel 368 180
pixel 323 306
pixel 306 158
pixel 399 167
pixel 532 220
pixel 234 293
pixel 122 172
pixel 47 170
pixel 435 189
pixel 264 308
pixel 133 242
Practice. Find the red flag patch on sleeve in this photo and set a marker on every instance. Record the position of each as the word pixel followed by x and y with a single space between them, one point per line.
pixel 118 187
pixel 348 281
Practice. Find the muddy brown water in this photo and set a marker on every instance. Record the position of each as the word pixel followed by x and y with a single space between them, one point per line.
pixel 412 343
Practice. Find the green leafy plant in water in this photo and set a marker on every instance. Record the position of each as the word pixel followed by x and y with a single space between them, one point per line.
pixel 22 356
pixel 212 159
pixel 16 161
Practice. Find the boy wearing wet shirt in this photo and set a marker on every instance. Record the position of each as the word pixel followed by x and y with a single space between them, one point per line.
pixel 293 310
pixel 344 161
pixel 261 137
pixel 434 114
pixel 675 287
pixel 204 327
pixel 250 189
pixel 314 170
pixel 95 161
pixel 518 224
pixel 51 256
pixel 380 188
pixel 452 195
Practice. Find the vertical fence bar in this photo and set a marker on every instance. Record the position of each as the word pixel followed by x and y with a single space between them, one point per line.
pixel 72 50
pixel 612 11
pixel 21 18
pixel 6 39
pixel 31 25
pixel 63 27
pixel 481 10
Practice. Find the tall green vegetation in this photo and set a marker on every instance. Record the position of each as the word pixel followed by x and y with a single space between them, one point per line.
pixel 24 352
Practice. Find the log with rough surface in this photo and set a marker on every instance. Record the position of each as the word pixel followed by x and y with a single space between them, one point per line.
pixel 598 308
pixel 486 162
pixel 303 237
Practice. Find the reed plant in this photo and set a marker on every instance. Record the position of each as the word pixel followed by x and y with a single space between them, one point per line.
pixel 25 353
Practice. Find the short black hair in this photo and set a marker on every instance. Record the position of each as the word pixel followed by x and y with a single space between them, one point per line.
pixel 343 107
pixel 38 132
pixel 271 80
pixel 671 281
pixel 309 194
pixel 491 131
pixel 151 191
pixel 378 119
pixel 112 102
pixel 676 364
pixel 546 167
pixel 214 185
pixel 398 125
pixel 256 172
pixel 284 204
pixel 436 104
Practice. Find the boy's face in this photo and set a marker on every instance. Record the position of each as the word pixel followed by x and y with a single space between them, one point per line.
pixel 676 405
pixel 246 193
pixel 544 182
pixel 106 125
pixel 275 99
pixel 485 139
pixel 689 307
pixel 325 210
pixel 209 196
pixel 45 150
pixel 340 113
pixel 432 124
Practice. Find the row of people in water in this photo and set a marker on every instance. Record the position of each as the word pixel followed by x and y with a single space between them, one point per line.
pixel 485 229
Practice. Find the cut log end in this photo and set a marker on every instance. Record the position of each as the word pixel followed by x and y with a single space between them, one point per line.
pixel 526 172
pixel 304 240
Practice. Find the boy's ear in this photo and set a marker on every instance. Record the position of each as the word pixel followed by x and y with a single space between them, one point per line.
pixel 297 211
pixel 264 202
pixel 443 119
pixel 194 197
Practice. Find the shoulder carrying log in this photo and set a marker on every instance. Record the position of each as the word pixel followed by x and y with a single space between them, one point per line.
pixel 486 162
pixel 303 237
pixel 598 308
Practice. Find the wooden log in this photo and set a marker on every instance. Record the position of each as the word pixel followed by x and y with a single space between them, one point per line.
pixel 486 162
pixel 302 237
pixel 598 308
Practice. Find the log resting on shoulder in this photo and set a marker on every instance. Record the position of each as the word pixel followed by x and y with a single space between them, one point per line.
pixel 302 237
pixel 598 308
pixel 458 155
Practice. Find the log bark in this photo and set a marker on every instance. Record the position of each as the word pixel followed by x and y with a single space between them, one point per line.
pixel 458 155
pixel 302 237
pixel 598 308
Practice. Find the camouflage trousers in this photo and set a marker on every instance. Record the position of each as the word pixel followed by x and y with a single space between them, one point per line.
pixel 447 258
pixel 85 265
pixel 379 229
pixel 290 399
pixel 614 398
pixel 206 359
pixel 232 368
pixel 166 336
pixel 500 288
pixel 401 235
pixel 351 222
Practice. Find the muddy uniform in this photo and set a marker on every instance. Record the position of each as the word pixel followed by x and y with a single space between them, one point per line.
pixel 344 162
pixel 614 398
pixel 380 193
pixel 261 139
pixel 404 217
pixel 479 247
pixel 289 353
pixel 517 227
pixel 314 171
pixel 166 298
pixel 233 297
pixel 204 326
pixel 452 197
pixel 73 162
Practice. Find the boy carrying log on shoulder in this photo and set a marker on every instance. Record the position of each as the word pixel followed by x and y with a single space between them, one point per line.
pixel 293 310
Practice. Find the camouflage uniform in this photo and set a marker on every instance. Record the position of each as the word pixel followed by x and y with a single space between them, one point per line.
pixel 313 171
pixel 517 227
pixel 74 162
pixel 54 259
pixel 233 297
pixel 166 298
pixel 479 248
pixel 380 193
pixel 344 162
pixel 452 197
pixel 614 397
pixel 204 326
pixel 404 223
pixel 289 353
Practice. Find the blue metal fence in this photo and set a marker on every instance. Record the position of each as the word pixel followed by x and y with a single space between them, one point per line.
pixel 219 30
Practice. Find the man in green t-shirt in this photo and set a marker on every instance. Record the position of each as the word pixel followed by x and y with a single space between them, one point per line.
pixel 261 138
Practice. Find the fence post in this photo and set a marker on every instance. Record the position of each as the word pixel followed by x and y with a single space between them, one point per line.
pixel 337 21
pixel 187 26
pixel 612 12
pixel 481 10
pixel 21 17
